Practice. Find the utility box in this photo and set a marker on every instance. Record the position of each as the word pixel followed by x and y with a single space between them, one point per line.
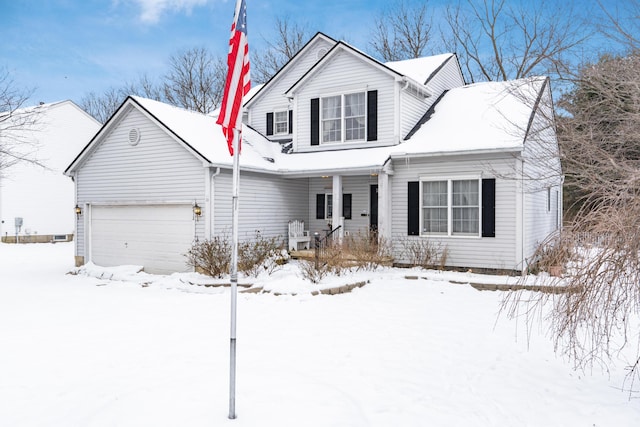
pixel 18 223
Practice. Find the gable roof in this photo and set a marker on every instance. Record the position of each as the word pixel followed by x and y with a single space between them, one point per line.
pixel 482 117
pixel 289 64
pixel 197 132
pixel 420 69
pixel 345 47
pixel 49 133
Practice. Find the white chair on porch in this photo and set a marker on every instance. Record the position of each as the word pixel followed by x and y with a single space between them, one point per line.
pixel 297 235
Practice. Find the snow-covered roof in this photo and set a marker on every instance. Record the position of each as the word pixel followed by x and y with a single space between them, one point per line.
pixel 481 117
pixel 419 69
pixel 201 133
pixel 41 131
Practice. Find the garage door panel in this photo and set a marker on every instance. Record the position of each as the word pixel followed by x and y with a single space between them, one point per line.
pixel 154 236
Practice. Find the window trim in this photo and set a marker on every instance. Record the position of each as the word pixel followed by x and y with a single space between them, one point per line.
pixel 327 209
pixel 328 206
pixel 343 134
pixel 449 180
pixel 276 122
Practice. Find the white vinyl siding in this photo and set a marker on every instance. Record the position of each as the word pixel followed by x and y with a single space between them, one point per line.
pixel 44 198
pixel 486 252
pixel 273 98
pixel 156 170
pixel 543 177
pixel 330 80
pixel 266 204
pixel 358 187
pixel 412 109
pixel 448 77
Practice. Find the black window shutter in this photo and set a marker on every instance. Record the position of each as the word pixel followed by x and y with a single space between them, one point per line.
pixel 489 207
pixel 372 115
pixel 290 121
pixel 413 208
pixel 315 121
pixel 346 206
pixel 269 123
pixel 319 206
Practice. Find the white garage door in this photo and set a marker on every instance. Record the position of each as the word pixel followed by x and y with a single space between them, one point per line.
pixel 154 236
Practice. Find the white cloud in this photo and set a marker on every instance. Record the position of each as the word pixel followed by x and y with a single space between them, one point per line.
pixel 152 10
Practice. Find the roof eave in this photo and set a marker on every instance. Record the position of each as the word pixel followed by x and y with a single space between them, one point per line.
pixel 497 150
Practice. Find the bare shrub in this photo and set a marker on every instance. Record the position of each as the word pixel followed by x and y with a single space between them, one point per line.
pixel 366 251
pixel 554 251
pixel 260 254
pixel 312 272
pixel 423 253
pixel 211 256
pixel 359 251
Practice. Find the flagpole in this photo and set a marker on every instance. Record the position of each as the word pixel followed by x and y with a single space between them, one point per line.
pixel 234 275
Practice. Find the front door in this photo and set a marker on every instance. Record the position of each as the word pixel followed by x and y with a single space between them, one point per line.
pixel 373 208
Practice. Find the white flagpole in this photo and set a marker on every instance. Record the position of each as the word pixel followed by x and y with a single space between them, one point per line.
pixel 234 274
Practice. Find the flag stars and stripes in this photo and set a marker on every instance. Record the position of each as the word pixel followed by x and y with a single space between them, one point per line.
pixel 238 80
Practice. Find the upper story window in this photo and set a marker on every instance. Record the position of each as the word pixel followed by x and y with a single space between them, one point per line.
pixel 344 117
pixel 350 117
pixel 279 122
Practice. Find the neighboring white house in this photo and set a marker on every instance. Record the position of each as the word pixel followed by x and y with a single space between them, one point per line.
pixel 41 196
pixel 334 138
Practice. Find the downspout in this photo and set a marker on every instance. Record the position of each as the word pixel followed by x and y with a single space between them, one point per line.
pixel 210 225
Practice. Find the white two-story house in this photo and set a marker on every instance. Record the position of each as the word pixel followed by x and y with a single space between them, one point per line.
pixel 334 139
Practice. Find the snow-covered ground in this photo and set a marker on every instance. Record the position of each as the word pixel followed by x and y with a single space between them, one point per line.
pixel 77 350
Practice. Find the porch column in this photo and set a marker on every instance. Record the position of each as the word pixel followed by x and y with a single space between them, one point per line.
pixel 384 202
pixel 384 206
pixel 336 213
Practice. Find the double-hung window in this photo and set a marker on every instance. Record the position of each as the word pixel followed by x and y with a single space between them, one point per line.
pixel 281 122
pixel 451 207
pixel 332 119
pixel 344 117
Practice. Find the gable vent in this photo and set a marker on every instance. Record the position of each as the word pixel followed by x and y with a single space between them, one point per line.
pixel 321 52
pixel 134 136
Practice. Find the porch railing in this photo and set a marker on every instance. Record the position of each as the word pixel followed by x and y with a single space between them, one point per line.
pixel 320 244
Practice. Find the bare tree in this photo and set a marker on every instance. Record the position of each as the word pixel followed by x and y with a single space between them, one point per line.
pixel 496 40
pixel 290 38
pixel 18 125
pixel 622 25
pixel 596 317
pixel 103 106
pixel 195 80
pixel 402 31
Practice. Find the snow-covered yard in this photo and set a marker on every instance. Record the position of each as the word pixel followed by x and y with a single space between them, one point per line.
pixel 84 351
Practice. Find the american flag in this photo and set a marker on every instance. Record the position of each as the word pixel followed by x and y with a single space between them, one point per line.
pixel 238 82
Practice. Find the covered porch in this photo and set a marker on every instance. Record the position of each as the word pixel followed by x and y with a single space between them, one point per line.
pixel 348 204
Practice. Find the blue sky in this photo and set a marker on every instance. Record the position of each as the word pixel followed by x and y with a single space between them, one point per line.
pixel 64 49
